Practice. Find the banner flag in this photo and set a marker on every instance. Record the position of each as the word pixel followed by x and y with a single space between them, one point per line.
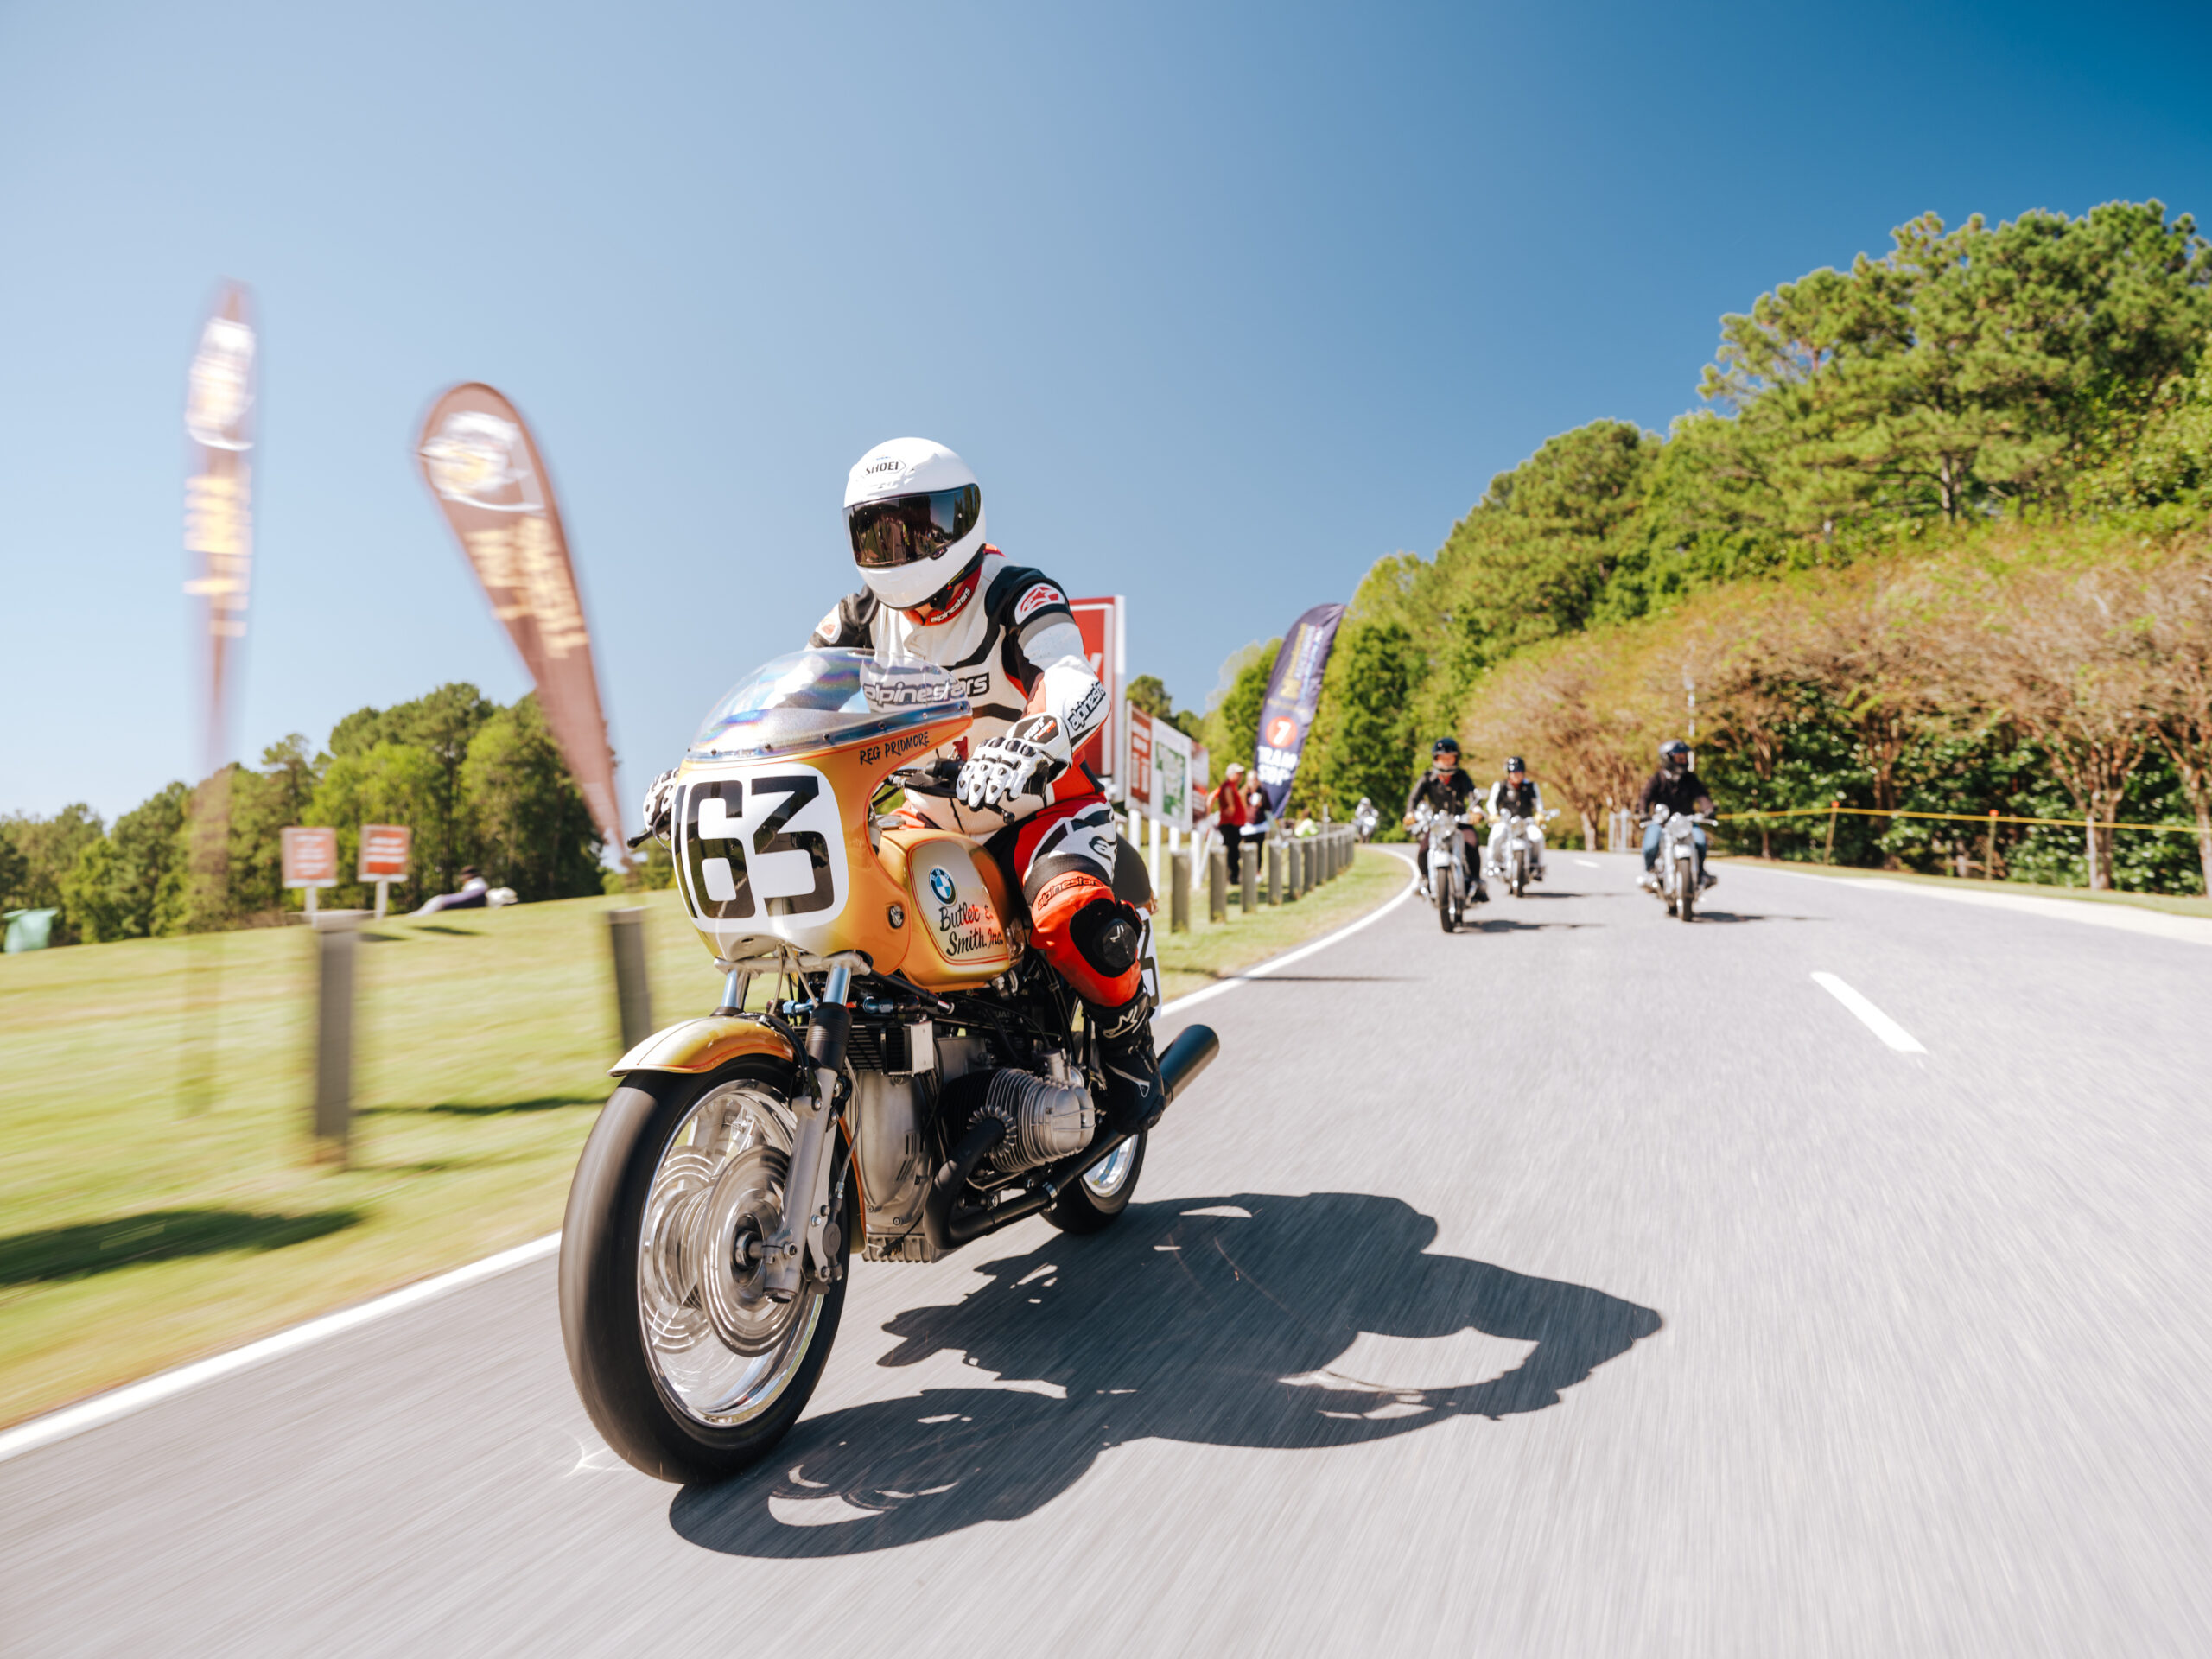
pixel 480 462
pixel 1294 697
pixel 219 501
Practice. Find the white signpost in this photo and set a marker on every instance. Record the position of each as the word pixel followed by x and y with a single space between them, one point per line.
pixel 385 849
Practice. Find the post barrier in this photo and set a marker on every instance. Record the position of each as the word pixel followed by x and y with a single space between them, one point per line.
pixel 1178 893
pixel 333 1034
pixel 1275 871
pixel 1249 876
pixel 1216 887
pixel 633 991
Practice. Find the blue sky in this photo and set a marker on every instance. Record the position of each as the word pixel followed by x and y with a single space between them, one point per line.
pixel 1222 303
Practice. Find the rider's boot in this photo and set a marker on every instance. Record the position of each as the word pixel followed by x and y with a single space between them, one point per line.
pixel 1135 1096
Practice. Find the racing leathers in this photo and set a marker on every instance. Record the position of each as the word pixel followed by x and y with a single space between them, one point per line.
pixel 1527 802
pixel 1444 792
pixel 1007 636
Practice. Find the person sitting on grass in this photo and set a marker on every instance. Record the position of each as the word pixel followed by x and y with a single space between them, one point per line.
pixel 474 894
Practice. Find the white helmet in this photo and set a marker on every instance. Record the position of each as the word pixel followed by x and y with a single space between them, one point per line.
pixel 915 514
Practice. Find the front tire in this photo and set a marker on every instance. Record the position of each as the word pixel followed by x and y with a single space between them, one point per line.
pixel 687 1369
pixel 1685 890
pixel 1094 1202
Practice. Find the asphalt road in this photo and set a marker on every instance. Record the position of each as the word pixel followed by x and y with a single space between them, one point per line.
pixel 1586 1284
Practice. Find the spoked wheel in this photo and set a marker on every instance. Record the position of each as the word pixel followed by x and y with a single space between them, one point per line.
pixel 1519 881
pixel 687 1367
pixel 1447 909
pixel 1092 1203
pixel 1685 904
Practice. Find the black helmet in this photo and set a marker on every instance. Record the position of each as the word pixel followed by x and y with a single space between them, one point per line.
pixel 1514 763
pixel 1444 745
pixel 1674 755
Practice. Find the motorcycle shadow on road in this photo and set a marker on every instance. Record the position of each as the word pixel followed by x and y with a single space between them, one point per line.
pixel 1228 1321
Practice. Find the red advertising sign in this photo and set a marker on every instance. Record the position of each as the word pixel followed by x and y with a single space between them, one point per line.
pixel 384 847
pixel 1100 622
pixel 310 858
pixel 1138 769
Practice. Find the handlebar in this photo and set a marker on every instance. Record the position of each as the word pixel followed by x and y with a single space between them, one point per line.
pixel 931 778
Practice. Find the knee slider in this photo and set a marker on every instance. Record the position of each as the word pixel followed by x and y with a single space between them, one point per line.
pixel 1106 934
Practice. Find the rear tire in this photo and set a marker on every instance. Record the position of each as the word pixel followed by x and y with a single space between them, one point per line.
pixel 1095 1202
pixel 631 1164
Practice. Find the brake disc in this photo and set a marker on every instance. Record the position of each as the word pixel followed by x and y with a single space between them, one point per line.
pixel 734 1220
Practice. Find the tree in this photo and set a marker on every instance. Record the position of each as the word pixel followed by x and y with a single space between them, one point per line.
pixel 536 835
pixel 49 849
pixel 441 725
pixel 1149 693
pixel 124 886
pixel 1232 725
pixel 389 783
pixel 2178 621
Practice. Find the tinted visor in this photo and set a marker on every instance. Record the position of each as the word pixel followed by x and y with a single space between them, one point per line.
pixel 907 528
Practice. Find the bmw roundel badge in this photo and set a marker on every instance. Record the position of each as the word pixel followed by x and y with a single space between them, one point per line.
pixel 941 885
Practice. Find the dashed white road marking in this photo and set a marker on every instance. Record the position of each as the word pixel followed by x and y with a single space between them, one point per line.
pixel 1589 863
pixel 1869 1016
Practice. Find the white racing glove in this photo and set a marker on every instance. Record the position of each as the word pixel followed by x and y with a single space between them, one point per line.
pixel 1021 761
pixel 660 803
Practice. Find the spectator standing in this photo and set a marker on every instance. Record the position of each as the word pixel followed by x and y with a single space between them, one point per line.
pixel 1232 813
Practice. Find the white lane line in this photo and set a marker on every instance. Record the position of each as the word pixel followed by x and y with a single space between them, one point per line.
pixel 1589 863
pixel 1275 963
pixel 1871 1017
pixel 165 1385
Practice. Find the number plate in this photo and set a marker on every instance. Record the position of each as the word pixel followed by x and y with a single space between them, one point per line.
pixel 761 849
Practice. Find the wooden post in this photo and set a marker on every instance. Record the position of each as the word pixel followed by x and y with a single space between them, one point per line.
pixel 1178 893
pixel 1216 887
pixel 633 991
pixel 1274 870
pixel 334 1034
pixel 1249 876
pixel 1989 849
pixel 1832 805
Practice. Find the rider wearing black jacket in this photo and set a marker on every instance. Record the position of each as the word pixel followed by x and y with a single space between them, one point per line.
pixel 1445 787
pixel 1679 789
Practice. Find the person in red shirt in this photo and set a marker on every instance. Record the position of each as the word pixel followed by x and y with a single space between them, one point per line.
pixel 1231 813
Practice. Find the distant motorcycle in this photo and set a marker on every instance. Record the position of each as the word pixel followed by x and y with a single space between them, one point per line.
pixel 1364 817
pixel 1516 863
pixel 1677 867
pixel 1447 835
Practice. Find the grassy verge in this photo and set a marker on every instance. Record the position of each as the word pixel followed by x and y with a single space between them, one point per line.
pixel 2173 904
pixel 136 1234
pixel 1216 950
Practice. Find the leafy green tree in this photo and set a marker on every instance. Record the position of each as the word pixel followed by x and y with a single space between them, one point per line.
pixel 1149 693
pixel 529 816
pixel 49 849
pixel 125 885
pixel 1364 741
pixel 15 871
pixel 441 725
pixel 1232 725
pixel 389 783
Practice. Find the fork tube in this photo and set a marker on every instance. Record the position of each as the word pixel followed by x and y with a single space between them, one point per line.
pixel 830 1025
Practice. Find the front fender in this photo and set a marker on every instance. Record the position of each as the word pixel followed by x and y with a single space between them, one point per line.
pixel 702 1045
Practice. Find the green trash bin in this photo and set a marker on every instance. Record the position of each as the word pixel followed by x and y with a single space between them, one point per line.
pixel 29 930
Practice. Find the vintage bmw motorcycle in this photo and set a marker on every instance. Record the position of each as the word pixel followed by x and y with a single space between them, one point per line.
pixel 916 1080
pixel 1676 879
pixel 1452 851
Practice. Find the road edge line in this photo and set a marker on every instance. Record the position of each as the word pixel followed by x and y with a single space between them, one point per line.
pixel 132 1397
pixel 1191 999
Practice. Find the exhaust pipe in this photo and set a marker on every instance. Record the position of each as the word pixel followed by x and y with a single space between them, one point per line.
pixel 1187 1056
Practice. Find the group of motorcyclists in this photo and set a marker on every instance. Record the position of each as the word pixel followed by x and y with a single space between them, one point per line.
pixel 1449 788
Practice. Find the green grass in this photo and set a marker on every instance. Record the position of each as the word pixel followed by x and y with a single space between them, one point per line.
pixel 2173 904
pixel 137 1232
pixel 1212 952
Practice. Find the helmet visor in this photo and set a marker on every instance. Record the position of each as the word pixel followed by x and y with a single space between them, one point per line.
pixel 907 529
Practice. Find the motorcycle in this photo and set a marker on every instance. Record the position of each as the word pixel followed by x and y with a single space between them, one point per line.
pixel 917 1080
pixel 1677 882
pixel 1446 834
pixel 1364 818
pixel 1516 863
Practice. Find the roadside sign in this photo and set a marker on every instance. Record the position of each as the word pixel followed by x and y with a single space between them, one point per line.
pixel 384 847
pixel 1100 622
pixel 1136 766
pixel 310 858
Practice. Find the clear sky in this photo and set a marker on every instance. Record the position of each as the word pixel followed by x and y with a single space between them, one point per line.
pixel 1223 302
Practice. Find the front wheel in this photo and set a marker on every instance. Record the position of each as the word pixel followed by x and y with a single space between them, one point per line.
pixel 688 1367
pixel 1685 889
pixel 1520 872
pixel 1092 1202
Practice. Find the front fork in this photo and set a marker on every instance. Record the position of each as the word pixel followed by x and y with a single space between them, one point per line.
pixel 806 1227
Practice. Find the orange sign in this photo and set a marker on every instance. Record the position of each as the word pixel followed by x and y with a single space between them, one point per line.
pixel 1137 779
pixel 384 851
pixel 310 858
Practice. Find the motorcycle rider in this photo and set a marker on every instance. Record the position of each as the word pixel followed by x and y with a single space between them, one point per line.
pixel 1516 792
pixel 1678 789
pixel 932 589
pixel 1445 787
